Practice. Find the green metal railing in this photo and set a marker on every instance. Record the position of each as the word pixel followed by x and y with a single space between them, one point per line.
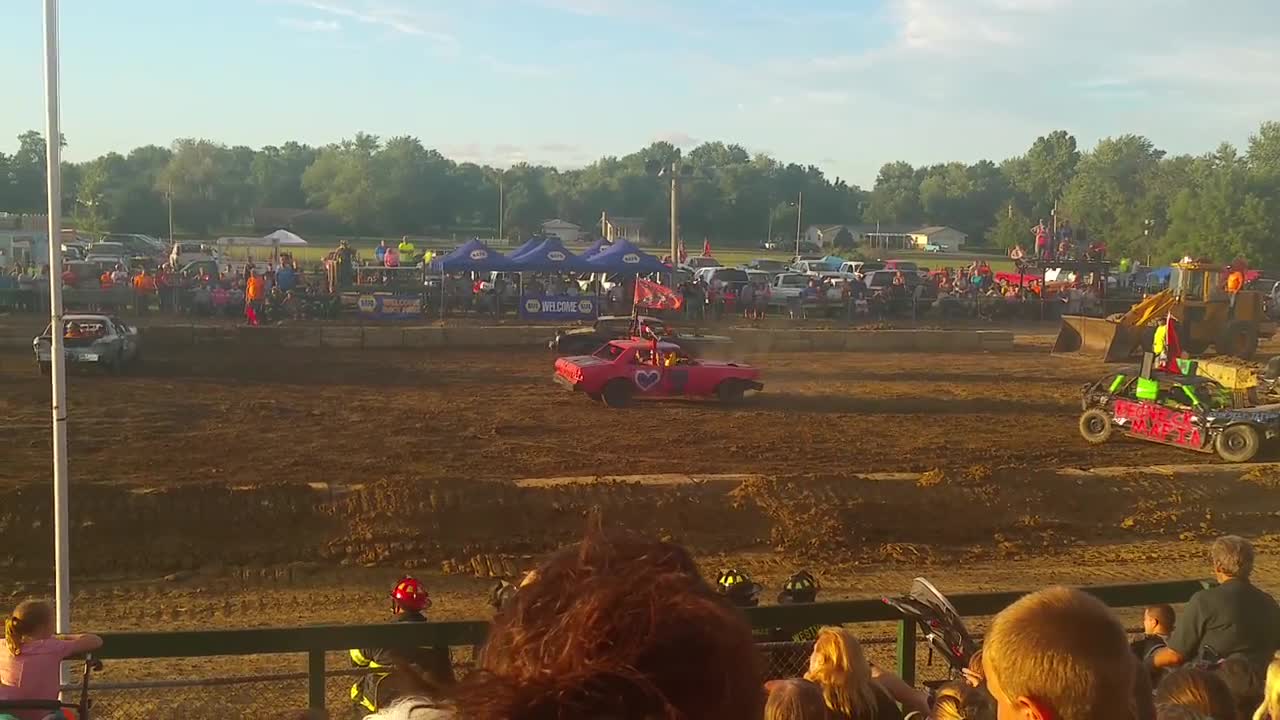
pixel 316 640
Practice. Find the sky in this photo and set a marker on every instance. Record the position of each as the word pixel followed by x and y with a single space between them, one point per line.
pixel 846 85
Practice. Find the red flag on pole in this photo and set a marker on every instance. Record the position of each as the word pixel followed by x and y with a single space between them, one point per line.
pixel 706 247
pixel 651 295
pixel 1173 348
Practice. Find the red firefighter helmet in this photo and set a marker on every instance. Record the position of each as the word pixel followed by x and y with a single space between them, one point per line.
pixel 409 594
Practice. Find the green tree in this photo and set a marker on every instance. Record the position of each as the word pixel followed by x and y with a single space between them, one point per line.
pixel 896 197
pixel 1042 175
pixel 209 183
pixel 1011 228
pixel 342 180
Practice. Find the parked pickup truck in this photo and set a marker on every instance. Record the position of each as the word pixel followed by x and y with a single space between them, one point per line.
pixel 625 370
pixel 787 286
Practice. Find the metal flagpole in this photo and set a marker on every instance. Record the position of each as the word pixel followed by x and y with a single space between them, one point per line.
pixel 58 361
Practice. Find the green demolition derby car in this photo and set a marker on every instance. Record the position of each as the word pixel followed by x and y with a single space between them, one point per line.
pixel 1186 411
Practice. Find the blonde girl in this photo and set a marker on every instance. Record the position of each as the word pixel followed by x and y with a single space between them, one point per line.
pixel 1270 707
pixel 32 655
pixel 840 668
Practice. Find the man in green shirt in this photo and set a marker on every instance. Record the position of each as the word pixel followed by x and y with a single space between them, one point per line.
pixel 1233 618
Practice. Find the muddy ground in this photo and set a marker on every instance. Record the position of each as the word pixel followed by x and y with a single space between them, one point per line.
pixel 225 487
pixel 254 417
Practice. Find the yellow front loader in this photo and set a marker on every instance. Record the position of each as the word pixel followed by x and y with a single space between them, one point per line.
pixel 1113 339
pixel 1207 316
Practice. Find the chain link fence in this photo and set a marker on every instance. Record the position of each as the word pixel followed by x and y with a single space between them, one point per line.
pixel 226 687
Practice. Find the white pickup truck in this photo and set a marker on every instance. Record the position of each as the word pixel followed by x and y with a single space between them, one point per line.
pixel 787 286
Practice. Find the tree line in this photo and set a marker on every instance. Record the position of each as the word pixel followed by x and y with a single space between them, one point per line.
pixel 1125 192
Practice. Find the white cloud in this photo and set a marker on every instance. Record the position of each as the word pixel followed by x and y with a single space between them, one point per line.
pixel 379 14
pixel 311 26
pixel 677 138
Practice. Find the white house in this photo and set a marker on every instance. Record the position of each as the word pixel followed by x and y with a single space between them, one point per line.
pixel 566 231
pixel 830 236
pixel 614 227
pixel 946 238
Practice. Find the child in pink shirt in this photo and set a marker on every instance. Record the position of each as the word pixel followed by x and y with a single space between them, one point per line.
pixel 29 664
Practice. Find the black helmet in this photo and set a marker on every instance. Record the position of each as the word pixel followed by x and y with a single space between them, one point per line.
pixel 738 588
pixel 501 594
pixel 799 588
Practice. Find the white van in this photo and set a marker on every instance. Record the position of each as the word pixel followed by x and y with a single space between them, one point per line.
pixel 186 252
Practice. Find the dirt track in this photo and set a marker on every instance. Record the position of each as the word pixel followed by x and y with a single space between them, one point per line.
pixel 292 487
pixel 200 462
pixel 254 417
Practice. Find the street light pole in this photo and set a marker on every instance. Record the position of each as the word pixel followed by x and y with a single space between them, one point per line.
pixel 799 214
pixel 57 360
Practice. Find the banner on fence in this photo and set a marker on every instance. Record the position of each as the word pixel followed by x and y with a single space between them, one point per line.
pixel 558 307
pixel 389 306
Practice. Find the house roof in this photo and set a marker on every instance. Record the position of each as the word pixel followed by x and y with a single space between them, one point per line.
pixel 619 221
pixel 934 230
pixel 563 224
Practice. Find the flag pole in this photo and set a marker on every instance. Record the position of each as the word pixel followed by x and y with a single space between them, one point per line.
pixel 57 360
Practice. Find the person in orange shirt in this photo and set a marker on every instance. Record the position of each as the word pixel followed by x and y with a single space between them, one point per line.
pixel 144 286
pixel 1235 281
pixel 104 280
pixel 254 293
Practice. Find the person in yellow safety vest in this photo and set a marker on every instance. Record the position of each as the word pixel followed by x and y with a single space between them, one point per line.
pixel 409 600
pixel 1160 343
pixel 407 250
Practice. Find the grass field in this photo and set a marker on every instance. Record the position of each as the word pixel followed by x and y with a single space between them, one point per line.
pixel 728 256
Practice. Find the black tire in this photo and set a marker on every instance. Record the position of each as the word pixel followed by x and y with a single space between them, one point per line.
pixel 1240 340
pixel 730 392
pixel 617 394
pixel 1095 426
pixel 1238 443
pixel 1273 368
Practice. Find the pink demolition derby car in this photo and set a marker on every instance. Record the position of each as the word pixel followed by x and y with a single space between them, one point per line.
pixel 623 370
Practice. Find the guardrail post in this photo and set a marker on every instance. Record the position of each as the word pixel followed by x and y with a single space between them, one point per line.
pixel 315 679
pixel 907 651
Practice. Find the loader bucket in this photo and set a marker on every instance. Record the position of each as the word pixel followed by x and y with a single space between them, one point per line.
pixel 1097 337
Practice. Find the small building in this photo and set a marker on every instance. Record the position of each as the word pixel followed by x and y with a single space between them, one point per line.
pixel 616 227
pixel 946 239
pixel 830 236
pixel 566 231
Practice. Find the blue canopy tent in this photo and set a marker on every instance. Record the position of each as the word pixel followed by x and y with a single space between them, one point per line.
pixel 832 262
pixel 528 245
pixel 624 257
pixel 596 248
pixel 472 256
pixel 550 255
pixel 1160 275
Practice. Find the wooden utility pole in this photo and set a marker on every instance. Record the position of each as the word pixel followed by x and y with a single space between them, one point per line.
pixel 675 216
pixel 799 215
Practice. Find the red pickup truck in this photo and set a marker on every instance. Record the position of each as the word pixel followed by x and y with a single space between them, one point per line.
pixel 623 370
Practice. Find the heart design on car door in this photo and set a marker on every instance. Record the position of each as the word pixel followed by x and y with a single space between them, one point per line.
pixel 647 379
